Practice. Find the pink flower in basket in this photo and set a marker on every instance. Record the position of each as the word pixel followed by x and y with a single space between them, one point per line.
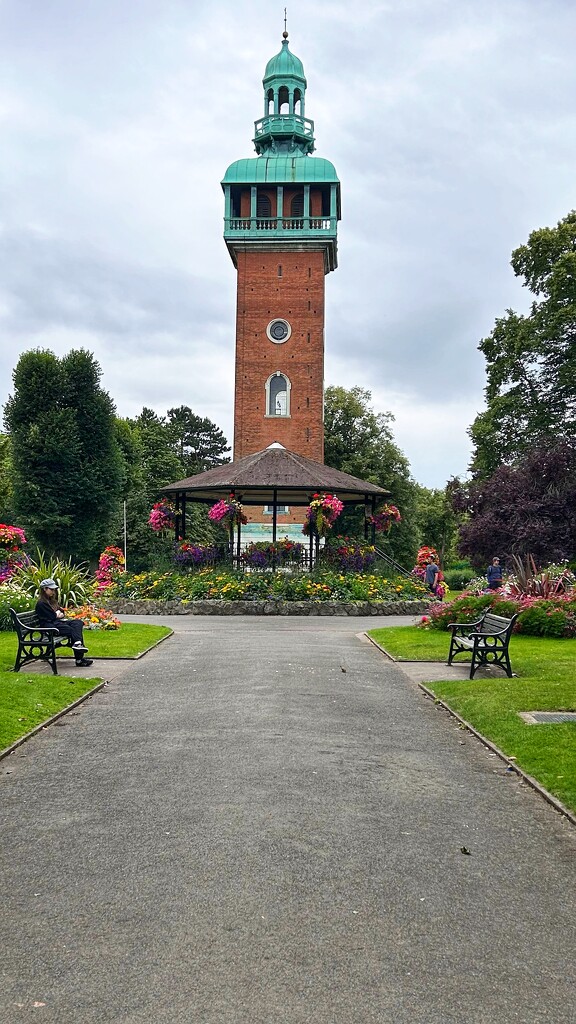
pixel 384 518
pixel 162 516
pixel 321 514
pixel 227 512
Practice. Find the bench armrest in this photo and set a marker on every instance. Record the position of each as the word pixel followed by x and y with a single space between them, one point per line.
pixel 454 626
pixel 494 634
pixel 47 630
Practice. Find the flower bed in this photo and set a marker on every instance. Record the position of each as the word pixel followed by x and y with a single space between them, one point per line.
pixel 93 617
pixel 213 584
pixel 189 555
pixel 537 616
pixel 347 555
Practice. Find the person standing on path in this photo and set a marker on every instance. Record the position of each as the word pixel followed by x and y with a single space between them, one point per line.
pixel 50 614
pixel 494 574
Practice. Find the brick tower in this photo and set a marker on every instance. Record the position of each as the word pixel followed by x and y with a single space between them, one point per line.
pixel 281 213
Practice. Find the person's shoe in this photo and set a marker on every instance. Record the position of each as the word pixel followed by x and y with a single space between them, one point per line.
pixel 85 662
pixel 79 649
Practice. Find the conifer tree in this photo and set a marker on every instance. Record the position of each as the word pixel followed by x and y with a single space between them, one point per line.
pixel 66 464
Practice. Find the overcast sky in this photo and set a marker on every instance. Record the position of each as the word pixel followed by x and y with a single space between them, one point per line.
pixel 451 124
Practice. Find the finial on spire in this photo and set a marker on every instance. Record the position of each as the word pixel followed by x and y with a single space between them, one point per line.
pixel 285 32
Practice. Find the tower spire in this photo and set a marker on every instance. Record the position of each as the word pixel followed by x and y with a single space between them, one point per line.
pixel 284 130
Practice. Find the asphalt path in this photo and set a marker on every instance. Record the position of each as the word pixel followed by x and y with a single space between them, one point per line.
pixel 263 822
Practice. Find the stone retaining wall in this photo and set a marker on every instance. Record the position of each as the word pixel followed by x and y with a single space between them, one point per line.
pixel 126 607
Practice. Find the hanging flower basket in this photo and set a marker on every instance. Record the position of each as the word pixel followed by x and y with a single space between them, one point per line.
pixel 384 518
pixel 321 515
pixel 163 516
pixel 228 512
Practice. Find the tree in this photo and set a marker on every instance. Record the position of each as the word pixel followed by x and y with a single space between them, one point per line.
pixel 437 521
pixel 529 508
pixel 360 442
pixel 157 451
pixel 531 360
pixel 6 496
pixel 66 466
pixel 200 444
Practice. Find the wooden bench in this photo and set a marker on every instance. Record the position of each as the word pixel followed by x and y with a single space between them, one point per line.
pixel 487 640
pixel 36 642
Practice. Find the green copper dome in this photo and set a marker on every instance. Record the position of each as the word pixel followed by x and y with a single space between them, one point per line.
pixel 280 170
pixel 284 65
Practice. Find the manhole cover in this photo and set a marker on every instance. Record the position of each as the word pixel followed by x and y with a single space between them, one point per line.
pixel 547 717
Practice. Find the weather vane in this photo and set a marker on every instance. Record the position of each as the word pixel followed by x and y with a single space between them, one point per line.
pixel 285 33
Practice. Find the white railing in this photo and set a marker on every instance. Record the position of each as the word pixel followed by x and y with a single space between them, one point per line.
pixel 274 224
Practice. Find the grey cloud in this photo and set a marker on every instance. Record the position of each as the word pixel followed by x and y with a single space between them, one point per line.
pixel 49 283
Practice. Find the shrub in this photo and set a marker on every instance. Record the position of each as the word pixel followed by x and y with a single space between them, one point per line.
pixel 12 596
pixel 75 585
pixel 528 580
pixel 458 579
pixel 555 617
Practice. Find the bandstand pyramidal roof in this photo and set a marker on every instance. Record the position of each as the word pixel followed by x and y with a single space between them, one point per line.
pixel 255 477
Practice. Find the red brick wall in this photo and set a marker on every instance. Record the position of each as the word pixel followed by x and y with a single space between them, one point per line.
pixel 295 294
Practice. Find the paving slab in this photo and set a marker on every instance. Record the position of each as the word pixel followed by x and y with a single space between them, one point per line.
pixel 263 822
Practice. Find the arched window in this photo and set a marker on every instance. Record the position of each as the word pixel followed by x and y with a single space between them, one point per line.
pixel 284 100
pixel 297 205
pixel 297 101
pixel 270 101
pixel 278 395
pixel 263 205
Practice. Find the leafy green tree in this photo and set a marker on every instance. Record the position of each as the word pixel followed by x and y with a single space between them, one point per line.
pixel 157 451
pixel 66 466
pixel 360 442
pixel 531 360
pixel 437 521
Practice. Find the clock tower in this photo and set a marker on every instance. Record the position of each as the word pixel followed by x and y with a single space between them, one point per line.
pixel 280 226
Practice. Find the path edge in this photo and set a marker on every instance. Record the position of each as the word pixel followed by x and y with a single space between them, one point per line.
pixel 50 721
pixel 532 782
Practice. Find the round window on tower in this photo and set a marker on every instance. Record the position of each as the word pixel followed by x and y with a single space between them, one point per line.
pixel 278 331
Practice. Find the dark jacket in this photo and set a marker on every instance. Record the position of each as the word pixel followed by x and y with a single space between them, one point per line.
pixel 494 573
pixel 46 614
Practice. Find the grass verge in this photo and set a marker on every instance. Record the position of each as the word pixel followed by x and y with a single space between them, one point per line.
pixel 546 682
pixel 28 698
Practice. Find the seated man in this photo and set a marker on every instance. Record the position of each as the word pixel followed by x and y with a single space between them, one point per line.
pixel 50 614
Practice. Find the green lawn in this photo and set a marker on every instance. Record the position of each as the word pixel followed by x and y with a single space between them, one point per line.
pixel 27 698
pixel 546 681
